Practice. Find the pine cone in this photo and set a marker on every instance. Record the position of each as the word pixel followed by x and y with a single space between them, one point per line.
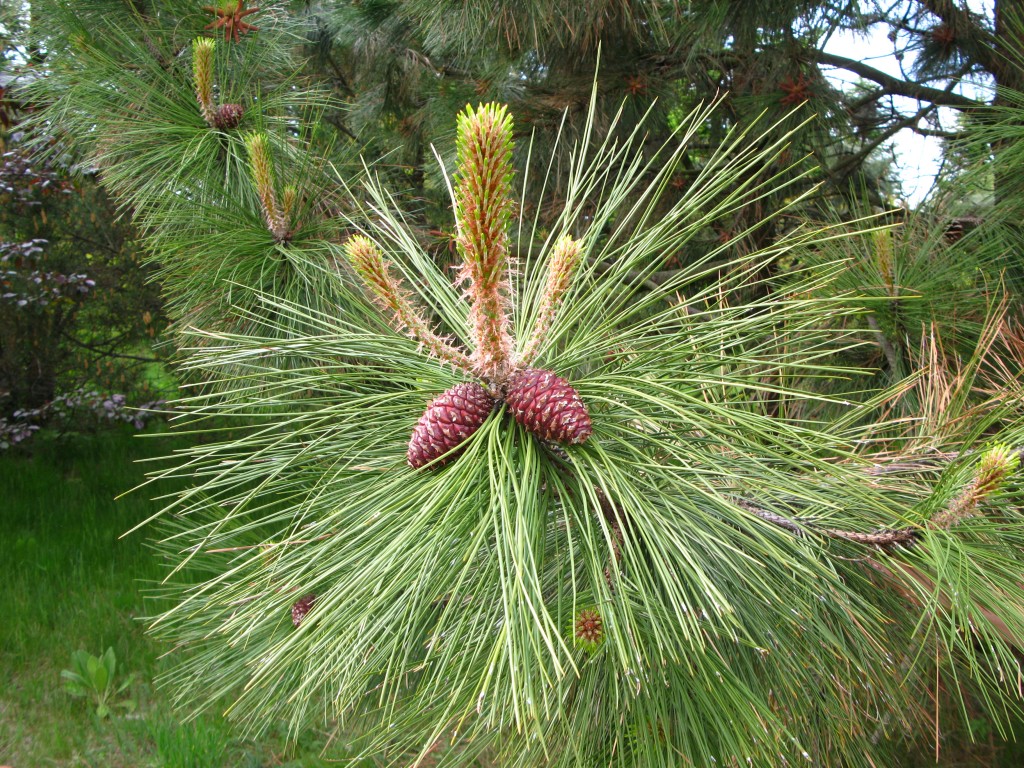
pixel 589 628
pixel 228 116
pixel 448 422
pixel 301 607
pixel 548 406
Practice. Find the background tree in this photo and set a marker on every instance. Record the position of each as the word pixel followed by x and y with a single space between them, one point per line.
pixel 77 309
pixel 404 66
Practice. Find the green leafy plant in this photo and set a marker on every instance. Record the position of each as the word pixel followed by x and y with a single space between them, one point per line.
pixel 94 677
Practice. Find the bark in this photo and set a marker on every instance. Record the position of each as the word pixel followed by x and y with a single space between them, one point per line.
pixel 1009 27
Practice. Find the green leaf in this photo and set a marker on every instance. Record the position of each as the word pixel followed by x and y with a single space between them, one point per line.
pixel 110 663
pixel 98 676
pixel 74 683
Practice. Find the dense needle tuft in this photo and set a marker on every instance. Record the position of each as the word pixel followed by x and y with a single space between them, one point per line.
pixel 448 422
pixel 548 406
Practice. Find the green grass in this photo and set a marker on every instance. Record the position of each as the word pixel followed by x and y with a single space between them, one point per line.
pixel 69 582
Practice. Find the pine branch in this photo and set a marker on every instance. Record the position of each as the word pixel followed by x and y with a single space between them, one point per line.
pixel 897 86
pixel 891 356
pixel 893 537
pixel 109 352
pixel 851 163
pixel 452 596
pixel 965 25
pixel 994 467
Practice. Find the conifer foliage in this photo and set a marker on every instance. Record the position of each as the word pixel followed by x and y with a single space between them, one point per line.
pixel 557 507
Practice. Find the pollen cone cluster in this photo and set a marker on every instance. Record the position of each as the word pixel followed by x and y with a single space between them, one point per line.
pixel 548 406
pixel 448 422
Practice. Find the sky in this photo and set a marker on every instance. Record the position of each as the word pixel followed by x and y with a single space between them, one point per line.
pixel 917 157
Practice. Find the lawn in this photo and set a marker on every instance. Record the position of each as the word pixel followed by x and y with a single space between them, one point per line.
pixel 70 582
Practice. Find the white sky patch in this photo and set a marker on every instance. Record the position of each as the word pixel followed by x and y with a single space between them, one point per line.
pixel 917 157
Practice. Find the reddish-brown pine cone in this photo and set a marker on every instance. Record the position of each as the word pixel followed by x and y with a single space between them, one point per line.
pixel 448 422
pixel 301 607
pixel 548 406
pixel 228 116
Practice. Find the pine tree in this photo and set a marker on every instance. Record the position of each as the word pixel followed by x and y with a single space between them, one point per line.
pixel 561 505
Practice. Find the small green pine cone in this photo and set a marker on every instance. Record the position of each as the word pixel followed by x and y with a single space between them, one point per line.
pixel 588 629
pixel 995 466
pixel 993 469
